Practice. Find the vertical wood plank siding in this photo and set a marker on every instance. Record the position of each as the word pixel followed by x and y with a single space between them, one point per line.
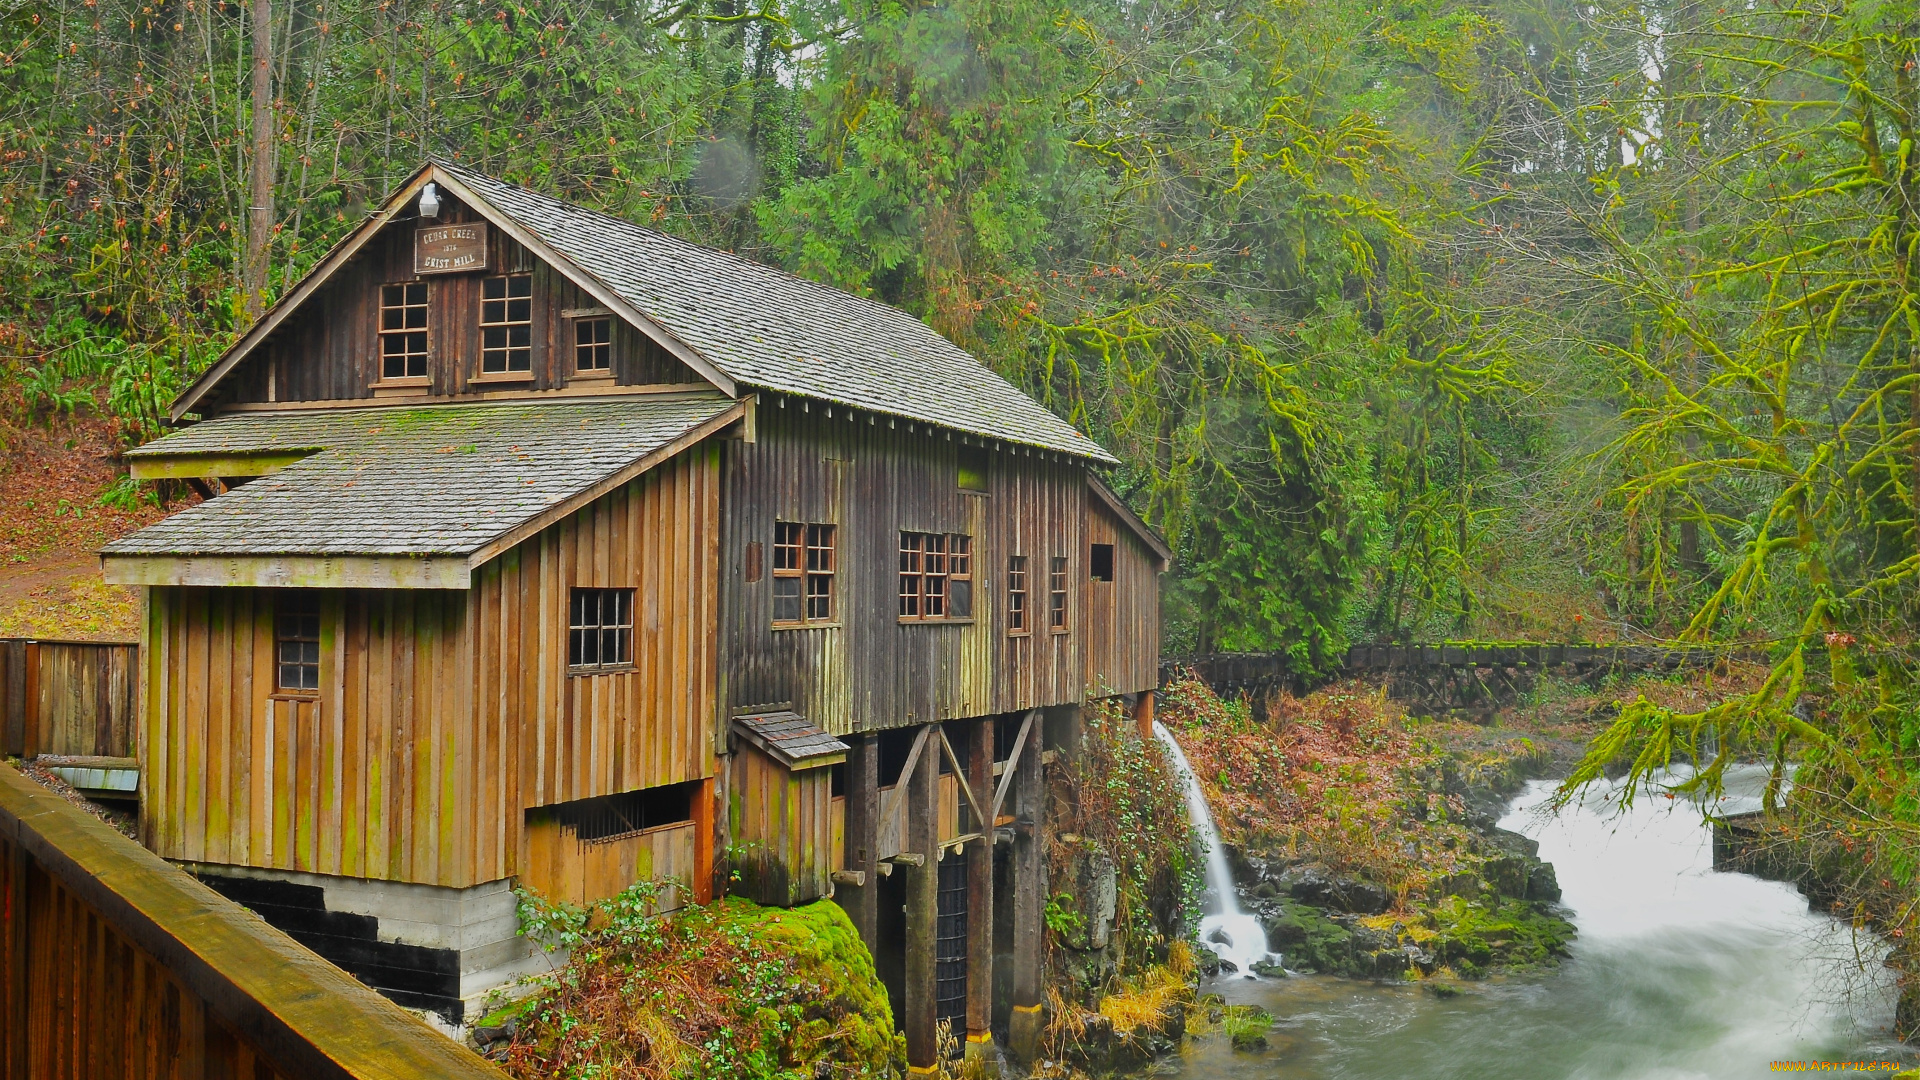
pixel 782 825
pixel 78 1001
pixel 442 715
pixel 1122 616
pixel 68 697
pixel 867 670
pixel 561 866
pixel 330 349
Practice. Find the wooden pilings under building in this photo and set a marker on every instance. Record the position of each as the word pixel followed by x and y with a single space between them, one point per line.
pixel 950 840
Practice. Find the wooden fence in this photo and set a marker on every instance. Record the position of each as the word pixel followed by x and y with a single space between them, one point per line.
pixel 68 698
pixel 114 964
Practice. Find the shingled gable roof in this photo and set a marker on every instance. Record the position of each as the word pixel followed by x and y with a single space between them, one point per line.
pixel 737 321
pixel 404 496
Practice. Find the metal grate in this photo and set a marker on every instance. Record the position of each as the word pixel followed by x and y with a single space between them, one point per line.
pixel 950 943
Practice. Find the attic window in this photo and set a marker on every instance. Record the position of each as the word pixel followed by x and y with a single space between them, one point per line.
pixel 403 330
pixel 506 324
pixel 593 345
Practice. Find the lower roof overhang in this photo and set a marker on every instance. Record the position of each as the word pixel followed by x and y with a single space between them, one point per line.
pixel 291 571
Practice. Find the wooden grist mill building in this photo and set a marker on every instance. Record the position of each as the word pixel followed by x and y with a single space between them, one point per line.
pixel 551 551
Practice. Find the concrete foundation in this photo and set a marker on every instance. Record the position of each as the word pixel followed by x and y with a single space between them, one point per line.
pixel 426 947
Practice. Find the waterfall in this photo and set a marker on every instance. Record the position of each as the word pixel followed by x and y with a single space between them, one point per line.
pixel 1236 937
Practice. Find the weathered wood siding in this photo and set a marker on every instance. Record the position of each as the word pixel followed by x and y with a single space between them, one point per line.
pixel 561 866
pixel 68 697
pixel 442 715
pixel 1122 616
pixel 782 828
pixel 869 670
pixel 330 349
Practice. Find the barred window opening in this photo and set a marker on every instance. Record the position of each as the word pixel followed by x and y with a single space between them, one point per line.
pixel 600 629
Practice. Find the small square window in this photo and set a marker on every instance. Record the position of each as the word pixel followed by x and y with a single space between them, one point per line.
pixel 1101 562
pixel 600 629
pixel 593 345
pixel 296 641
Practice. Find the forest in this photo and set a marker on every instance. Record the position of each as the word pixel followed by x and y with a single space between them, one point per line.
pixel 1410 321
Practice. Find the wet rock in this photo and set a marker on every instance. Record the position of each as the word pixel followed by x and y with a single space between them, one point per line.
pixel 1313 884
pixel 1267 969
pixel 1543 886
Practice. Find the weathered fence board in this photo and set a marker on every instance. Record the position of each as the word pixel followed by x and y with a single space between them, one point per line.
pixel 115 964
pixel 68 698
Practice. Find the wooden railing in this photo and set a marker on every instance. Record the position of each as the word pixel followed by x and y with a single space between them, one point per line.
pixel 68 698
pixel 115 964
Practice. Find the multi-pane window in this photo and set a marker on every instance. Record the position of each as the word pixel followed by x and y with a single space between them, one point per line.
pixel 593 345
pixel 1057 593
pixel 600 629
pixel 936 576
pixel 803 567
pixel 296 641
pixel 506 324
pixel 1017 594
pixel 403 330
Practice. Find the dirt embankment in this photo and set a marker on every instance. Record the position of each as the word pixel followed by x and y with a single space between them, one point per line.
pixel 52 521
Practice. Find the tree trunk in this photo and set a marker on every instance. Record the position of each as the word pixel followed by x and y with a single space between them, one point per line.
pixel 260 186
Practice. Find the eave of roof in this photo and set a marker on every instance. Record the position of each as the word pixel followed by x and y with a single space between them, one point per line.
pixel 406 496
pixel 1111 500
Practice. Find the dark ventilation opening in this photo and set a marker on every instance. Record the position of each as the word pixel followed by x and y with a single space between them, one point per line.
pixel 1005 730
pixel 1102 562
pixel 612 816
pixel 950 944
pixel 837 779
pixel 895 745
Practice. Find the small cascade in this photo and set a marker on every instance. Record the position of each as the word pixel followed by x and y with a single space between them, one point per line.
pixel 1236 937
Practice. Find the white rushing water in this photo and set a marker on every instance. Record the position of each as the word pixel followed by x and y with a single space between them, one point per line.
pixel 1679 972
pixel 1236 937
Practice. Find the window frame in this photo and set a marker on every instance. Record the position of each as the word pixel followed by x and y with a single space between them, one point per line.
pixel 299 608
pixel 933 564
pixel 1019 609
pixel 581 322
pixel 621 626
pixel 506 326
pixel 811 548
pixel 1058 605
pixel 405 331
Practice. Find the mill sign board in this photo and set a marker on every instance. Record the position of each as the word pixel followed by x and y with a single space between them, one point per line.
pixel 450 249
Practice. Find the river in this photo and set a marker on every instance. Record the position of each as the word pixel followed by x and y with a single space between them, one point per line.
pixel 1679 973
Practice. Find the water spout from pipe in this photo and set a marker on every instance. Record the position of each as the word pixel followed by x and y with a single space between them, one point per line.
pixel 1234 936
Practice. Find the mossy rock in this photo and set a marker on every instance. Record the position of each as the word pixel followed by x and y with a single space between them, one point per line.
pixel 851 1025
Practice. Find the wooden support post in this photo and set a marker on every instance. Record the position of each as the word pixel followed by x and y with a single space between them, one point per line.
pixel 13 1048
pixel 13 697
pixel 923 899
pixel 1143 715
pixel 861 840
pixel 705 803
pixel 1029 898
pixel 980 899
